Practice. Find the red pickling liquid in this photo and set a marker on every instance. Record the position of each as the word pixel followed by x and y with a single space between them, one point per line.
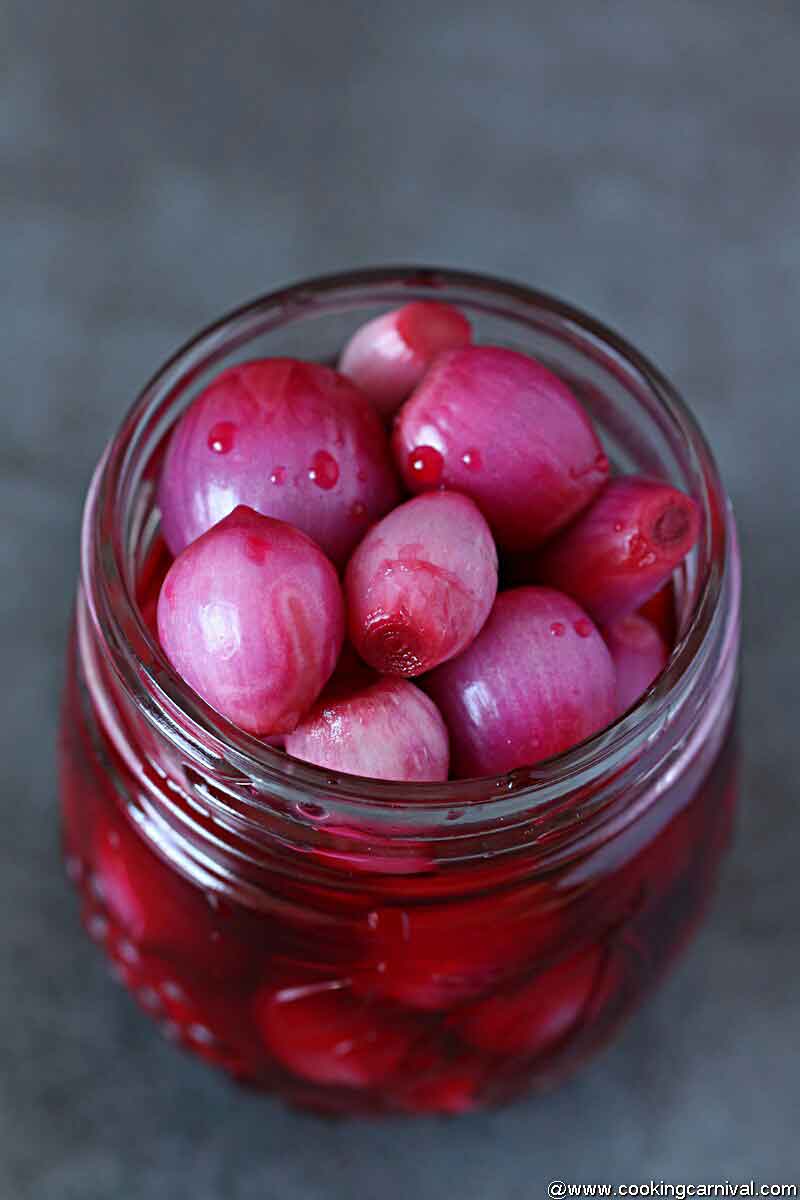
pixel 425 465
pixel 324 470
pixel 354 983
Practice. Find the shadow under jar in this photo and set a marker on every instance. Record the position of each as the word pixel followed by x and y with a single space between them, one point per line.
pixel 366 947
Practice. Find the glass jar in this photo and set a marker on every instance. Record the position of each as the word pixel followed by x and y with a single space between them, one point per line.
pixel 364 946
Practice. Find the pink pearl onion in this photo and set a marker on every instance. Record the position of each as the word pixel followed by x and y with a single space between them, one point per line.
pixel 291 439
pixel 534 1017
pixel 321 1032
pixel 504 430
pixel 388 356
pixel 421 584
pixel 623 548
pixel 252 616
pixel 537 680
pixel 387 730
pixel 639 654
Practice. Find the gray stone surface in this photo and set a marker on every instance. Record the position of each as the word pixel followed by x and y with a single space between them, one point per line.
pixel 161 162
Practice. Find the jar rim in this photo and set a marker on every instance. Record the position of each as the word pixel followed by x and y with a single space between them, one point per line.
pixel 189 722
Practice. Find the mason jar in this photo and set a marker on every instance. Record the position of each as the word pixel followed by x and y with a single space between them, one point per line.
pixel 361 946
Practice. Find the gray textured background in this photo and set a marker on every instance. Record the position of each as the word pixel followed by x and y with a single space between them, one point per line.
pixel 162 162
